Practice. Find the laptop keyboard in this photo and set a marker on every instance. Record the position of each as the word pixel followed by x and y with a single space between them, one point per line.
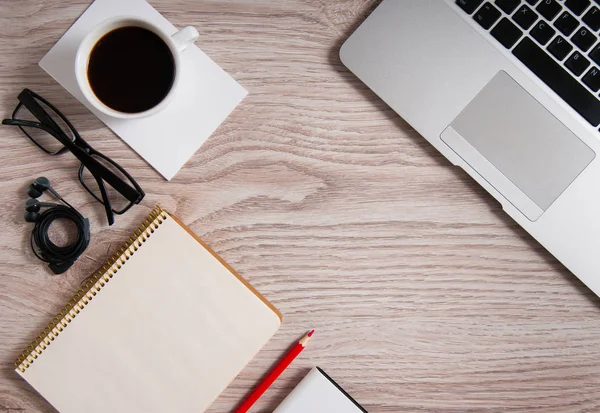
pixel 556 39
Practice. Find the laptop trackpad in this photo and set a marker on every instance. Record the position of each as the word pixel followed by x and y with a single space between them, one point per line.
pixel 516 145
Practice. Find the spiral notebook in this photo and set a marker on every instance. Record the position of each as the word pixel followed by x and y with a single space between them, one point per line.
pixel 164 326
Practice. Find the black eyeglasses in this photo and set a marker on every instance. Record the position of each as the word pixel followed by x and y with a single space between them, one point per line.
pixel 52 132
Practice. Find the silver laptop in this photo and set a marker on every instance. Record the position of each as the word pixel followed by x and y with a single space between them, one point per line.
pixel 509 91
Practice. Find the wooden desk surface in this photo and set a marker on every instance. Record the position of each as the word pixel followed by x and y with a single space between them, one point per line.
pixel 424 295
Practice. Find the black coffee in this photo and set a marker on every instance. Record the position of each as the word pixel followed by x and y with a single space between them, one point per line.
pixel 131 69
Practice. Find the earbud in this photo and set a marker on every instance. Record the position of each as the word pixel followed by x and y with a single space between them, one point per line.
pixel 32 205
pixel 35 190
pixel 32 209
pixel 40 185
pixel 31 216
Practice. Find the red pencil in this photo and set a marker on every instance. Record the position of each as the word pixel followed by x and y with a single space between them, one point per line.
pixel 273 374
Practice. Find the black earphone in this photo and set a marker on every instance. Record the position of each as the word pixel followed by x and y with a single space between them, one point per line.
pixel 59 259
pixel 32 209
pixel 38 187
pixel 35 190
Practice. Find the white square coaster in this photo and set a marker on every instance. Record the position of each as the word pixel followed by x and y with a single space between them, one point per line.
pixel 206 94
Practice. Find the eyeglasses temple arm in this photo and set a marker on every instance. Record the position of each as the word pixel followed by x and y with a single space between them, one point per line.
pixel 107 206
pixel 19 122
pixel 26 99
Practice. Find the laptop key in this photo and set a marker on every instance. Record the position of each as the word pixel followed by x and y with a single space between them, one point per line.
pixel 592 79
pixel 487 15
pixel 584 38
pixel 525 17
pixel 469 6
pixel 592 18
pixel 577 6
pixel 559 80
pixel 508 6
pixel 566 23
pixel 577 63
pixel 542 32
pixel 595 54
pixel 560 48
pixel 532 2
pixel 507 33
pixel 549 9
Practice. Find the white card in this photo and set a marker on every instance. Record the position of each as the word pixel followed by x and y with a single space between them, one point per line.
pixel 318 393
pixel 206 94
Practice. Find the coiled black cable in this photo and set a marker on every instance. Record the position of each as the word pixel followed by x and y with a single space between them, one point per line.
pixel 59 259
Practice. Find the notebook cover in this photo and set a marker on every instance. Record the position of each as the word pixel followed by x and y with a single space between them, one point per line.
pixel 319 393
pixel 166 325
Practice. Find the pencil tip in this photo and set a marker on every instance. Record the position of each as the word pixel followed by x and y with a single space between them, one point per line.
pixel 311 333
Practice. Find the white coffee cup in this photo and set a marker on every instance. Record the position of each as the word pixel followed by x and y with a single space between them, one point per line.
pixel 177 43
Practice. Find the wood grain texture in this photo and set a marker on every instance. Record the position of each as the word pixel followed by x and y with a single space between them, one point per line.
pixel 424 295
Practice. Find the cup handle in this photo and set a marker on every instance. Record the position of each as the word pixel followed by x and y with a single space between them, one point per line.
pixel 185 37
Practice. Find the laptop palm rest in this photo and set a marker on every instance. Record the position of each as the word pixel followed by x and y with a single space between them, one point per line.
pixel 517 146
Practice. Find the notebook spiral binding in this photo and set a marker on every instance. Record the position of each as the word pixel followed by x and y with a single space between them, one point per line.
pixel 91 287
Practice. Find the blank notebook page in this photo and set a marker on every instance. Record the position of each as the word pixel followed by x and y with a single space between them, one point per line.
pixel 167 333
